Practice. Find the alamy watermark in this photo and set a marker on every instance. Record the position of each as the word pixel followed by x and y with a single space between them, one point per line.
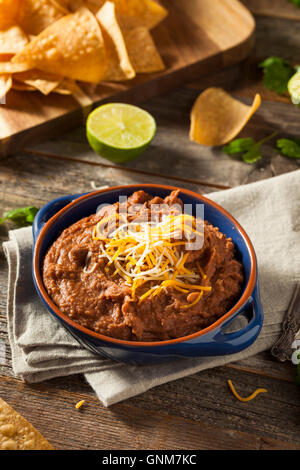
pixel 179 221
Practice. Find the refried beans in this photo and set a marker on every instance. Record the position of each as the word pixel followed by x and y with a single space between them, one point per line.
pixel 144 285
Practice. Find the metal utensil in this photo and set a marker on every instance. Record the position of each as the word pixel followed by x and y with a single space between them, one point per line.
pixel 282 348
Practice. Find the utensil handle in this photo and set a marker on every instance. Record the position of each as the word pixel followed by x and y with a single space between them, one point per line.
pixel 49 210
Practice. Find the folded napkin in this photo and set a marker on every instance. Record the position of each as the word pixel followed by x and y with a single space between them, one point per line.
pixel 42 349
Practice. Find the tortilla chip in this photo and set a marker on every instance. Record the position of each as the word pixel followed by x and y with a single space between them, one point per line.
pixel 10 67
pixel 154 13
pixel 133 13
pixel 217 118
pixel 12 40
pixel 6 57
pixel 21 86
pixel 64 5
pixel 5 86
pixel 62 91
pixel 78 94
pixel 142 51
pixel 36 15
pixel 16 433
pixel 43 81
pixel 119 65
pixel 8 13
pixel 73 45
pixel 71 5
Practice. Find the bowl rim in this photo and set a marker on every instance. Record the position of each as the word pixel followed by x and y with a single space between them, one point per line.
pixel 48 301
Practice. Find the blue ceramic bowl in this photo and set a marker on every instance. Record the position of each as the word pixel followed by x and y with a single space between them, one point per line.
pixel 214 340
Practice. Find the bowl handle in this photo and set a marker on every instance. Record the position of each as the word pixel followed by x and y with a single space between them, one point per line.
pixel 218 342
pixel 50 209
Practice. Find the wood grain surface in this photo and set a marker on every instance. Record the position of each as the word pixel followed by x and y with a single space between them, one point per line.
pixel 199 411
pixel 198 36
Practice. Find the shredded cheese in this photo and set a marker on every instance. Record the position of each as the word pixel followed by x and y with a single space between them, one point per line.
pixel 79 404
pixel 141 252
pixel 245 399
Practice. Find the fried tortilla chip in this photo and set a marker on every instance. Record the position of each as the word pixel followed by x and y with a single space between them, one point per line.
pixel 43 81
pixel 78 94
pixel 149 60
pixel 64 5
pixel 16 433
pixel 21 86
pixel 133 13
pixel 71 5
pixel 5 85
pixel 8 13
pixel 10 67
pixel 73 45
pixel 6 57
pixel 12 40
pixel 120 67
pixel 36 15
pixel 217 118
pixel 62 91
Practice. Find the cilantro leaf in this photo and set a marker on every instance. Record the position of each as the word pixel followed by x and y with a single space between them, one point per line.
pixel 253 154
pixel 277 73
pixel 22 217
pixel 238 146
pixel 249 149
pixel 289 147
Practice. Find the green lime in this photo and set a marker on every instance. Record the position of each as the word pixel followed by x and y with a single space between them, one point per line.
pixel 294 88
pixel 120 132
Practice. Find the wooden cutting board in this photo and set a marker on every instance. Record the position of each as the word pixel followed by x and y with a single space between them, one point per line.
pixel 197 37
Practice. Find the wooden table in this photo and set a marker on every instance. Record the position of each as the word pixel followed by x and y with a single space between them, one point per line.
pixel 197 412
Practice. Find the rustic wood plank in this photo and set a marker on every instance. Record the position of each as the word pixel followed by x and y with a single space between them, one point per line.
pixel 275 413
pixel 274 8
pixel 122 426
pixel 197 412
pixel 213 406
pixel 209 35
pixel 39 178
pixel 278 36
pixel 265 364
pixel 172 153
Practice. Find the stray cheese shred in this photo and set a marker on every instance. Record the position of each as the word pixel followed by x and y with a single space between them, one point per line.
pixel 146 251
pixel 245 399
pixel 79 404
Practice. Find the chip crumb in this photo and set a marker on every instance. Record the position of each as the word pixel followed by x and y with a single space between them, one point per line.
pixel 79 404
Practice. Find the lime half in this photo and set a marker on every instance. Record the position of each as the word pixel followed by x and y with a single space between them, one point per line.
pixel 294 88
pixel 120 132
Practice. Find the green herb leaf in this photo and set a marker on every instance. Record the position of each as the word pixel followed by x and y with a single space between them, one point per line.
pixel 22 217
pixel 277 73
pixel 253 155
pixel 295 2
pixel 238 146
pixel 289 147
pixel 249 149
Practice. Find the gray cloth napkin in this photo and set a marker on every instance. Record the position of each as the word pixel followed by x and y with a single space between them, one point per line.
pixel 42 349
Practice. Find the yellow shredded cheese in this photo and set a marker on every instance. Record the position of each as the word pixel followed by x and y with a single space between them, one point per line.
pixel 203 275
pixel 245 399
pixel 142 252
pixel 195 301
pixel 79 404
